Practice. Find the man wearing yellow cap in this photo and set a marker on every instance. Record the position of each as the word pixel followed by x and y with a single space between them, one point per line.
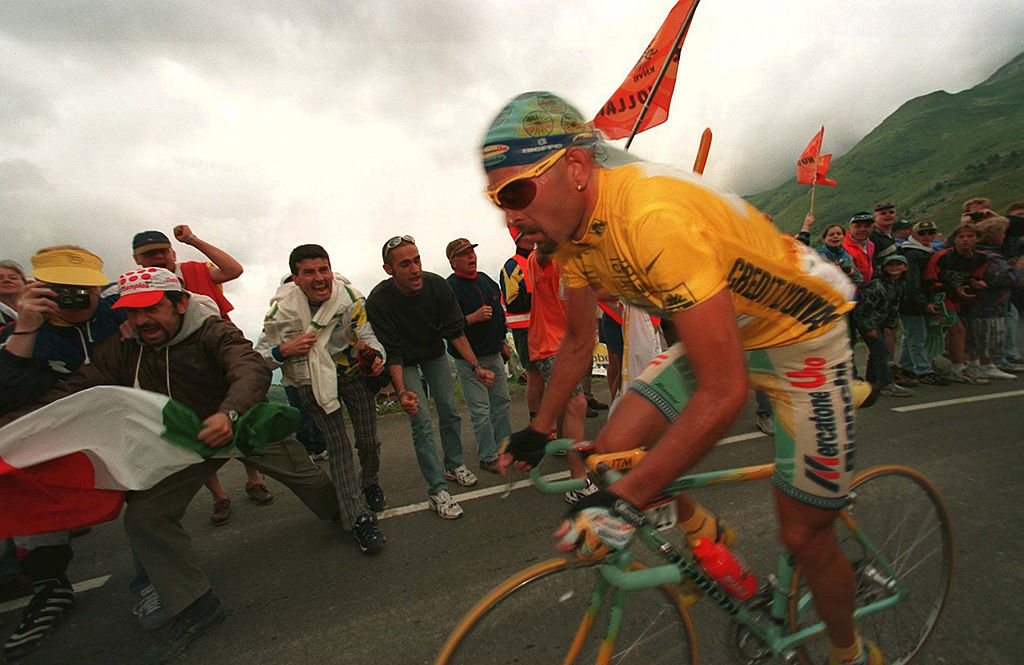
pixel 61 317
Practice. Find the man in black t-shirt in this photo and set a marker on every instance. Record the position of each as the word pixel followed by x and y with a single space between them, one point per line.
pixel 413 313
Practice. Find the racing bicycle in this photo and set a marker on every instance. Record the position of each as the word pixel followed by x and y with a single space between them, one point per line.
pixel 633 605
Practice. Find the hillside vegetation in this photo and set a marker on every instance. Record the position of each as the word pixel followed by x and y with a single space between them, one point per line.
pixel 928 157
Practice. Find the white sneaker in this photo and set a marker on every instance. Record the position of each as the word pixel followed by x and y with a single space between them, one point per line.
pixel 444 505
pixel 975 375
pixel 573 496
pixel 893 390
pixel 993 372
pixel 461 475
pixel 766 424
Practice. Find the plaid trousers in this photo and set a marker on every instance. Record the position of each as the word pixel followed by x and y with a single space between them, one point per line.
pixel 351 502
pixel 362 409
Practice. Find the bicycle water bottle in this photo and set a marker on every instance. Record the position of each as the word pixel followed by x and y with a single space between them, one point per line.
pixel 725 568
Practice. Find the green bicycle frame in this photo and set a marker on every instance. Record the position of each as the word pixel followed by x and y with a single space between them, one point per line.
pixel 681 567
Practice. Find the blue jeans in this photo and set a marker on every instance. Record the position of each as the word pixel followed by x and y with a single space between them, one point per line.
pixel 438 375
pixel 1010 347
pixel 764 403
pixel 914 356
pixel 488 407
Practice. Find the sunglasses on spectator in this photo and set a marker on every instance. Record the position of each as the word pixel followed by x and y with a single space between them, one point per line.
pixel 395 242
pixel 927 233
pixel 519 191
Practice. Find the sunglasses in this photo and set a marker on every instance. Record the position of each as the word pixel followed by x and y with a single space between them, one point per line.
pixel 519 191
pixel 395 242
pixel 927 233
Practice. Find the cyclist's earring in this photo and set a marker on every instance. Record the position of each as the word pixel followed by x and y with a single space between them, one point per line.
pixel 579 188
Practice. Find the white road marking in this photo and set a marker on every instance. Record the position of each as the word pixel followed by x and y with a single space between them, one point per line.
pixel 958 400
pixel 79 587
pixel 525 482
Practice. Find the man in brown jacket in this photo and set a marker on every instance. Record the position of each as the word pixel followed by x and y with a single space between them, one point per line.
pixel 204 362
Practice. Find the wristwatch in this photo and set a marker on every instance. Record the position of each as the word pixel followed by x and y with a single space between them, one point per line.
pixel 473 367
pixel 232 415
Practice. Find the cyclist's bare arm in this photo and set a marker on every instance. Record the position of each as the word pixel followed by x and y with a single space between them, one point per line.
pixel 575 356
pixel 711 338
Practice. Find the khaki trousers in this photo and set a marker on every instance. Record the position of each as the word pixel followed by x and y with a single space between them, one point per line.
pixel 153 517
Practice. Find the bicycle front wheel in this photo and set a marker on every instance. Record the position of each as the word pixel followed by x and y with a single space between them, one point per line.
pixel 535 617
pixel 905 518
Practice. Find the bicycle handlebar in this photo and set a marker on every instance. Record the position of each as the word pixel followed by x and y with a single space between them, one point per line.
pixel 555 486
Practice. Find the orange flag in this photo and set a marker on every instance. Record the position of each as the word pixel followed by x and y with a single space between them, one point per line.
pixel 812 166
pixel 617 117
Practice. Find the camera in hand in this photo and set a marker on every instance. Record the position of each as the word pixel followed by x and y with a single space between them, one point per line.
pixel 70 297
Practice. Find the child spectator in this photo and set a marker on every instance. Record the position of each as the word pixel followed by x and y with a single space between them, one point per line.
pixel 985 314
pixel 917 307
pixel 878 306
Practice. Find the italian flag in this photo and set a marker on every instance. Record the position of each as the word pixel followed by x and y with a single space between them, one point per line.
pixel 69 463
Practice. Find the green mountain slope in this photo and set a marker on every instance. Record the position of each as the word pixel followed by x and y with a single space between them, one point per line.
pixel 928 157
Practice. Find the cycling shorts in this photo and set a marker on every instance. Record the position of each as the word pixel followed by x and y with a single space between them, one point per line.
pixel 810 387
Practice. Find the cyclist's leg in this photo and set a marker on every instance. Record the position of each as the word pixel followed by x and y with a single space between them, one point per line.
pixel 642 415
pixel 810 385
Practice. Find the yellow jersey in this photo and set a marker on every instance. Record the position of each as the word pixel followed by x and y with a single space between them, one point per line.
pixel 664 241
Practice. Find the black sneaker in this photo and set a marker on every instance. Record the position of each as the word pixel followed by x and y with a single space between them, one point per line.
pixel 52 600
pixel 597 406
pixel 369 537
pixel 374 497
pixel 202 615
pixel 932 379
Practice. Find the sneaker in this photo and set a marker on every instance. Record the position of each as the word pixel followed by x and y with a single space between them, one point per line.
pixel 444 505
pixel 375 500
pixel 492 466
pixel 369 537
pixel 573 496
pixel 592 403
pixel 975 375
pixel 932 379
pixel 150 610
pixel 221 512
pixel 52 599
pixel 766 423
pixel 893 390
pixel 192 622
pixel 1008 366
pixel 993 372
pixel 259 494
pixel 901 377
pixel 461 475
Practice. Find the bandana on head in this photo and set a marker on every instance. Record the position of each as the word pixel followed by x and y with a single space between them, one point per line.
pixel 530 127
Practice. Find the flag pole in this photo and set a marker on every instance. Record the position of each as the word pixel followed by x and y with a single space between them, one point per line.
pixel 664 68
pixel 814 186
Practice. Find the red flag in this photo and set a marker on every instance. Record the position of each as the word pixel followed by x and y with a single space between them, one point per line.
pixel 617 117
pixel 812 166
pixel 819 176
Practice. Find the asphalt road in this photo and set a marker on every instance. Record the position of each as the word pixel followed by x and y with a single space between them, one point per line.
pixel 299 591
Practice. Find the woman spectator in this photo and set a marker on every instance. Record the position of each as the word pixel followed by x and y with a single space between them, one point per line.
pixel 831 247
pixel 12 283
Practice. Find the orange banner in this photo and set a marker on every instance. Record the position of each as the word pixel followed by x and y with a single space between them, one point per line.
pixel 812 165
pixel 619 114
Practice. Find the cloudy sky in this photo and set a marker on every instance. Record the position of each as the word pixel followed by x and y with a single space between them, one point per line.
pixel 264 125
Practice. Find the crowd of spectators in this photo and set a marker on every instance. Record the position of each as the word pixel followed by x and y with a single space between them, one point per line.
pixel 930 310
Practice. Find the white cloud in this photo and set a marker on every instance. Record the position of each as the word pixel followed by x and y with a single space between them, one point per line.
pixel 265 125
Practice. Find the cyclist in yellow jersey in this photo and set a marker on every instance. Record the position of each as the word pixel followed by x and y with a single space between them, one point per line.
pixel 751 306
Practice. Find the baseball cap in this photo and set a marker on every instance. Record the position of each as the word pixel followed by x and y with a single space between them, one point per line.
pixel 147 240
pixel 960 229
pixel 69 266
pixel 457 246
pixel 895 257
pixel 146 286
pixel 901 224
pixel 862 218
pixel 532 126
pixel 883 206
pixel 921 227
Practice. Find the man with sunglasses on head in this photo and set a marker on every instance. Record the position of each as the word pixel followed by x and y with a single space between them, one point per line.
pixel 750 305
pixel 413 313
